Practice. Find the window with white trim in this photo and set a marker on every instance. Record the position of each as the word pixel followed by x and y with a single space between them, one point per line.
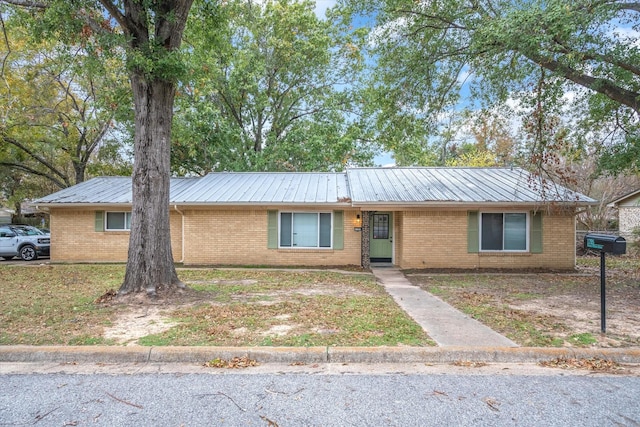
pixel 305 229
pixel 118 221
pixel 504 231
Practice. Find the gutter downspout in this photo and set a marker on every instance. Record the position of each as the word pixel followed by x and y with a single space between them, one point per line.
pixel 181 260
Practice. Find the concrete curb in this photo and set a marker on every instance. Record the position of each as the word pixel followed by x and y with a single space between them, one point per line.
pixel 307 355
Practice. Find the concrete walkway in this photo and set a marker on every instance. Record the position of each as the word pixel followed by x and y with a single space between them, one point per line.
pixel 445 324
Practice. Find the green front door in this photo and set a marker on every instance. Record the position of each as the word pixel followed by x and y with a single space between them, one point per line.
pixel 381 237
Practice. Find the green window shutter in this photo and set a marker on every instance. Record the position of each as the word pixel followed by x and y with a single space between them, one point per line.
pixel 536 233
pixel 338 230
pixel 473 232
pixel 272 229
pixel 99 221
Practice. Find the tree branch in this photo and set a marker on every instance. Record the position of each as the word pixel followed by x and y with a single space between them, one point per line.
pixel 24 168
pixel 626 97
pixel 27 3
pixel 6 42
pixel 563 48
pixel 635 7
pixel 449 23
pixel 37 158
pixel 116 14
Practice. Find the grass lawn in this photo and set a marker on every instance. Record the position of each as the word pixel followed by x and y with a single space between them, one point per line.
pixel 56 304
pixel 546 309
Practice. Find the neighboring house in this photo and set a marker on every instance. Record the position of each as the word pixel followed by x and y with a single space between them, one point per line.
pixel 463 218
pixel 628 212
pixel 5 216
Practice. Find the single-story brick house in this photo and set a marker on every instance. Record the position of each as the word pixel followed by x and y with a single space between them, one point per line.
pixel 628 207
pixel 413 217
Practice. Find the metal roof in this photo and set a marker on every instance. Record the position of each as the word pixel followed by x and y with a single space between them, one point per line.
pixel 420 185
pixel 266 188
pixel 414 186
pixel 217 188
pixel 104 190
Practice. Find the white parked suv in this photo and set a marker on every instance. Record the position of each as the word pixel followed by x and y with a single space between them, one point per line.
pixel 24 241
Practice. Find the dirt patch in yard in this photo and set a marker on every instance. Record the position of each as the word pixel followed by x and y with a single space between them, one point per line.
pixel 546 308
pixel 137 323
pixel 140 315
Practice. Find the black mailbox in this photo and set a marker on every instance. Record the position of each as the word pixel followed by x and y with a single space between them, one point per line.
pixel 605 243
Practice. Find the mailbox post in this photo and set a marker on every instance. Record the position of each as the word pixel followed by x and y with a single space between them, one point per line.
pixel 605 244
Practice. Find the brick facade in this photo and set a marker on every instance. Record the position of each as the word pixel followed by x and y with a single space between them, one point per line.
pixel 212 237
pixel 239 237
pixel 438 239
pixel 75 239
pixel 236 236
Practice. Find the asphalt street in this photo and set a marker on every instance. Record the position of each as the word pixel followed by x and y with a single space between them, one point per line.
pixel 417 395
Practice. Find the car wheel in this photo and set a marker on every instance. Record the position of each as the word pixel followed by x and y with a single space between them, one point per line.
pixel 28 253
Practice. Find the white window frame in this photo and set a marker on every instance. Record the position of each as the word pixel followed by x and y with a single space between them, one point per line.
pixel 127 215
pixel 317 213
pixel 527 232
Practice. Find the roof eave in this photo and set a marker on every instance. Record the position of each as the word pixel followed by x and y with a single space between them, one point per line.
pixel 81 205
pixel 614 204
pixel 262 204
pixel 455 204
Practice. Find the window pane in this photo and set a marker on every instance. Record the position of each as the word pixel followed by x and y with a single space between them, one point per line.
pixel 115 221
pixel 305 230
pixel 491 232
pixel 515 232
pixel 128 220
pixel 380 226
pixel 325 230
pixel 285 229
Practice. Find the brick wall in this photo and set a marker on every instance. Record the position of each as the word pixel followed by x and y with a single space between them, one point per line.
pixel 74 239
pixel 438 239
pixel 434 239
pixel 239 237
pixel 398 234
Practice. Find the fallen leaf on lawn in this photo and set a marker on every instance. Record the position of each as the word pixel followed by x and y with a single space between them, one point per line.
pixel 106 297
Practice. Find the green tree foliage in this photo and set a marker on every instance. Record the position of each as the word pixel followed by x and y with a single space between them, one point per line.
pixel 472 156
pixel 58 109
pixel 431 53
pixel 146 35
pixel 273 89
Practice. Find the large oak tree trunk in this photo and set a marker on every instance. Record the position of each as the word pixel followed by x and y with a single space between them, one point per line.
pixel 150 264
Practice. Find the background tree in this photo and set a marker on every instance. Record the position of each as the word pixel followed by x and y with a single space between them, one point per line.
pixel 16 187
pixel 148 34
pixel 274 90
pixel 432 56
pixel 58 109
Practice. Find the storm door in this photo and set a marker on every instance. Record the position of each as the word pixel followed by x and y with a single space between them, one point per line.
pixel 381 237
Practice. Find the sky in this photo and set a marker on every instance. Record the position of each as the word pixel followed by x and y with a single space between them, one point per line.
pixel 323 5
